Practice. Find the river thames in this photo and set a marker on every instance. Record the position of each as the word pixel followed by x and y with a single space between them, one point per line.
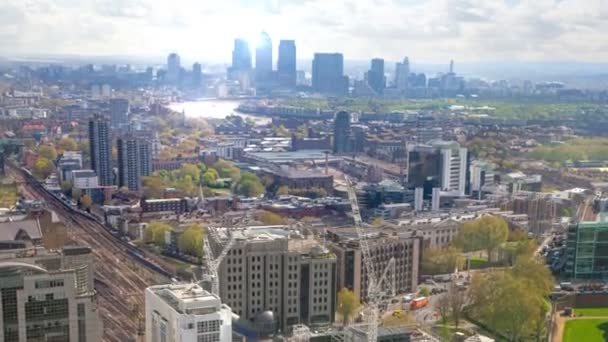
pixel 214 109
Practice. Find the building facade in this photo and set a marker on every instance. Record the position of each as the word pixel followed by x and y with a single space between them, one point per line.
pixel 48 296
pixel 184 313
pixel 134 161
pixel 587 249
pixel 328 74
pixel 263 59
pixel 342 132
pixel 119 113
pixel 286 65
pixel 101 149
pixel 375 76
pixel 402 72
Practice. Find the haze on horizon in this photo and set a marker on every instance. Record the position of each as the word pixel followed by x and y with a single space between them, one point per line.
pixel 433 31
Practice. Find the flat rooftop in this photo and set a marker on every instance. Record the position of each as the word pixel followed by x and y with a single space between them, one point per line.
pixel 277 157
pixel 186 298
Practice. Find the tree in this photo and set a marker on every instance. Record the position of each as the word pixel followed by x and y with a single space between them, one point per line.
pixel 153 186
pixel 348 304
pixel 191 240
pixel 210 176
pixel 487 233
pixel 86 201
pixel 424 291
pixel 270 218
pixel 250 185
pixel 202 167
pixel 443 307
pixel 43 167
pixel 66 187
pixel 226 169
pixel 191 170
pixel 378 222
pixel 441 261
pixel 47 152
pixel 155 233
pixel 457 300
pixel 281 131
pixel 282 190
pixel 76 194
pixel 68 144
pixel 186 186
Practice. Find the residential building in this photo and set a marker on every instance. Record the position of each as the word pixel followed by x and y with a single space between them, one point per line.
pixel 263 59
pixel 173 205
pixel 119 113
pixel 481 174
pixel 384 245
pixel 375 76
pixel 134 161
pixel 342 133
pixel 84 179
pixel 453 166
pixel 328 74
pixel 100 149
pixel 185 313
pixel 277 273
pixel 48 295
pixel 286 65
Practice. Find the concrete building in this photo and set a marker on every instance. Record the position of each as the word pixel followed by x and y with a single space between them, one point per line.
pixel 328 74
pixel 286 65
pixel 436 231
pixel 67 163
pixel 119 113
pixel 48 296
pixel 100 149
pixel 185 313
pixel 84 179
pixel 453 166
pixel 481 174
pixel 384 245
pixel 341 132
pixel 297 179
pixel 134 161
pixel 276 272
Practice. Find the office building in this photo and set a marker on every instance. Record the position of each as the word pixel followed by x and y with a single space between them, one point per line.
pixel 402 74
pixel 453 166
pixel 342 132
pixel 197 74
pixel 481 174
pixel 276 276
pixel 286 65
pixel 48 296
pixel 587 249
pixel 419 198
pixel 328 74
pixel 173 68
pixel 406 248
pixel 375 76
pixel 84 179
pixel 439 163
pixel 263 59
pixel 184 313
pixel 119 113
pixel 100 149
pixel 134 161
pixel 241 55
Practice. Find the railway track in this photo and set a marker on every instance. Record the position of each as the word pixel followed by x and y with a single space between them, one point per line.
pixel 120 277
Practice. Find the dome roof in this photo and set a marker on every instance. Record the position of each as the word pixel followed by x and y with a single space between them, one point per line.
pixel 265 317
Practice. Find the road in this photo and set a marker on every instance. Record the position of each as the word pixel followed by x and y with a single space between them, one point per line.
pixel 120 282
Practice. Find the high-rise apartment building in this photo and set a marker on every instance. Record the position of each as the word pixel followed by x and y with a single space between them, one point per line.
pixel 453 166
pixel 342 133
pixel 277 273
pixel 352 274
pixel 438 163
pixel 286 65
pixel 328 74
pixel 119 113
pixel 263 59
pixel 48 296
pixel 402 74
pixel 100 149
pixel 375 76
pixel 185 313
pixel 481 174
pixel 134 161
pixel 173 68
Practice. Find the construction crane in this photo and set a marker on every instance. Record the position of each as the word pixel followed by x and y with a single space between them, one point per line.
pixel 374 285
pixel 212 263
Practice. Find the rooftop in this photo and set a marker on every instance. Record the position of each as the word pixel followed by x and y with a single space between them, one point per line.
pixel 187 298
pixel 19 230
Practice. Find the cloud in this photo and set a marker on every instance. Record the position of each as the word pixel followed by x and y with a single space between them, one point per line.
pixel 425 30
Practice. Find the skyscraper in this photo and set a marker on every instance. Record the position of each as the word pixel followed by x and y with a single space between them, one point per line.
pixel 173 68
pixel 328 74
pixel 341 132
pixel 402 71
pixel 241 55
pixel 263 59
pixel 197 74
pixel 119 113
pixel 375 76
pixel 100 148
pixel 134 161
pixel 286 66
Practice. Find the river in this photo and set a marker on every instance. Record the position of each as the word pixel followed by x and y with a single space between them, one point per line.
pixel 214 109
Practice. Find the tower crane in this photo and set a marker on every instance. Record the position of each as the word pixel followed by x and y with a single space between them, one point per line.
pixel 374 284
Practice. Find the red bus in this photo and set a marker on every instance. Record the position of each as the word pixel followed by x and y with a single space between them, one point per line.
pixel 418 303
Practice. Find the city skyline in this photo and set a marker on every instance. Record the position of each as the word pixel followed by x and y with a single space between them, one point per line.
pixel 433 31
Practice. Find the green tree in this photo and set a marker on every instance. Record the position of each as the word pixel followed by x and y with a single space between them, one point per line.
pixel 210 176
pixel 66 187
pixel 441 261
pixel 191 240
pixel 47 152
pixel 86 201
pixel 457 299
pixel 186 186
pixel 444 309
pixel 424 291
pixel 155 233
pixel 76 194
pixel 202 167
pixel 68 144
pixel 190 170
pixel 153 186
pixel 226 169
pixel 281 131
pixel 485 233
pixel 270 218
pixel 250 185
pixel 348 304
pixel 43 167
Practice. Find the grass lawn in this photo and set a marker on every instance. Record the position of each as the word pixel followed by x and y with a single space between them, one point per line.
pixel 586 330
pixel 478 262
pixel 596 312
pixel 8 195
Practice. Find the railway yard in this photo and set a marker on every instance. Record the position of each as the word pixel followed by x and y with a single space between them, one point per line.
pixel 120 279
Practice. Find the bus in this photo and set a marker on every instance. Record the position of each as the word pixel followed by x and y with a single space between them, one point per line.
pixel 418 303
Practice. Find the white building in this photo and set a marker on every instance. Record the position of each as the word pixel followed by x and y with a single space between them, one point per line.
pixel 84 179
pixel 482 173
pixel 186 313
pixel 453 166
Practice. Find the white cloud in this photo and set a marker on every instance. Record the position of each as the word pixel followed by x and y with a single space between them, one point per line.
pixel 432 30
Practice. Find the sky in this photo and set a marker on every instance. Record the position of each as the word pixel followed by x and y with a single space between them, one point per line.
pixel 432 31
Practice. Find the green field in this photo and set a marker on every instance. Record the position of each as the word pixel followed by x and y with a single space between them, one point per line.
pixel 592 312
pixel 586 330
